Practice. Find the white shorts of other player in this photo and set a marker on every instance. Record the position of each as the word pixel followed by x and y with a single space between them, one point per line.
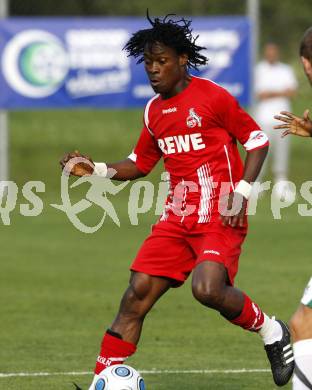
pixel 307 296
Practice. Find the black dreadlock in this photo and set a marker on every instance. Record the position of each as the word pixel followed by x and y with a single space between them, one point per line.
pixel 175 34
pixel 306 45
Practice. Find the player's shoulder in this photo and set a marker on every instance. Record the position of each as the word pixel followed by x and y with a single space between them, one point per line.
pixel 210 87
pixel 216 95
pixel 202 82
pixel 154 100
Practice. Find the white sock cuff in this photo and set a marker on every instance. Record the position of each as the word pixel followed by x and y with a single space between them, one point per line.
pixel 303 348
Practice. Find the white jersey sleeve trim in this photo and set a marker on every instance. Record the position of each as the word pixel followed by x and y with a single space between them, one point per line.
pixel 256 139
pixel 146 112
pixel 205 78
pixel 133 157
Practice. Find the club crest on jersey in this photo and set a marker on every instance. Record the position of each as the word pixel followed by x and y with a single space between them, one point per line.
pixel 193 119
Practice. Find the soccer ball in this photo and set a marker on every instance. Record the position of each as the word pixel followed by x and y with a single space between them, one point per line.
pixel 119 377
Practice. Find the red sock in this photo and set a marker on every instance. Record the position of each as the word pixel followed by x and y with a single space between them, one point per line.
pixel 251 317
pixel 113 351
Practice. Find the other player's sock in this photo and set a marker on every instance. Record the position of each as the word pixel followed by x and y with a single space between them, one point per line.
pixel 303 370
pixel 271 331
pixel 114 350
pixel 251 317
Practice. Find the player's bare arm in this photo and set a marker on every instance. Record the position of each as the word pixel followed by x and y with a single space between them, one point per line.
pixel 295 125
pixel 238 202
pixel 253 163
pixel 125 169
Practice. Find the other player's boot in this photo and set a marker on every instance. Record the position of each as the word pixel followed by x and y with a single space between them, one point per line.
pixel 281 357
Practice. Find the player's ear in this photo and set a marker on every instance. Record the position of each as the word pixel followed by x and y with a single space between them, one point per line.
pixel 306 63
pixel 183 58
pixel 307 66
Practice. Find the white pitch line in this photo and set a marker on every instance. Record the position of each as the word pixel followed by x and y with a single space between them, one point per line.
pixel 230 371
pixel 143 372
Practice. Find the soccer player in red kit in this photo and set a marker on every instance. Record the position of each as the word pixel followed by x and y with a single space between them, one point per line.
pixel 193 124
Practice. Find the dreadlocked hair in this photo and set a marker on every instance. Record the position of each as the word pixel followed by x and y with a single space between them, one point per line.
pixel 306 45
pixel 175 34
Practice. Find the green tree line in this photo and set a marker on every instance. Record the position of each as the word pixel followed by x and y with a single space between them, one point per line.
pixel 282 21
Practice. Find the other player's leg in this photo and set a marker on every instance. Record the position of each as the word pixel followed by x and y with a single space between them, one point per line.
pixel 119 342
pixel 301 330
pixel 211 287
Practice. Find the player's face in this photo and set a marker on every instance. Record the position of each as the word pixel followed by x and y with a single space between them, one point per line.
pixel 165 69
pixel 271 53
pixel 307 66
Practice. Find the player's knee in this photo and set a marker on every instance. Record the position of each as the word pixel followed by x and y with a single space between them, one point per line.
pixel 140 287
pixel 208 294
pixel 301 324
pixel 296 323
pixel 135 302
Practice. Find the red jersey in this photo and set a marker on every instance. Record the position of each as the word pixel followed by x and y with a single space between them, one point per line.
pixel 196 133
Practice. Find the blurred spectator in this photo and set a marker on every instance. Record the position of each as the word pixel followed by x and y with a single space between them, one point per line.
pixel 275 84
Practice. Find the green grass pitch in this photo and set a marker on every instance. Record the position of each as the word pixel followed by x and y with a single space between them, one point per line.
pixel 60 288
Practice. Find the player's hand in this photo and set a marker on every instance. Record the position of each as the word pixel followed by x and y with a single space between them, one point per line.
pixel 77 169
pixel 294 124
pixel 233 210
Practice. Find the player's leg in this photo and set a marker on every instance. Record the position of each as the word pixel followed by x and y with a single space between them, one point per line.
pixel 168 257
pixel 143 291
pixel 301 324
pixel 120 340
pixel 218 251
pixel 211 288
pixel 301 329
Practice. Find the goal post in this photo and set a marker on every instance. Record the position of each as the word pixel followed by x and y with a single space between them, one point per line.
pixel 4 123
pixel 253 13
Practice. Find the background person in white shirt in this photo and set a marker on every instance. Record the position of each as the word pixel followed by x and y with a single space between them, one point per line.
pixel 275 84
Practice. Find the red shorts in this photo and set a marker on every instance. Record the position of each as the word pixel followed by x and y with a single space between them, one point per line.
pixel 173 249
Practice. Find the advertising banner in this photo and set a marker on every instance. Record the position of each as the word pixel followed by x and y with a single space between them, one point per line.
pixel 79 62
